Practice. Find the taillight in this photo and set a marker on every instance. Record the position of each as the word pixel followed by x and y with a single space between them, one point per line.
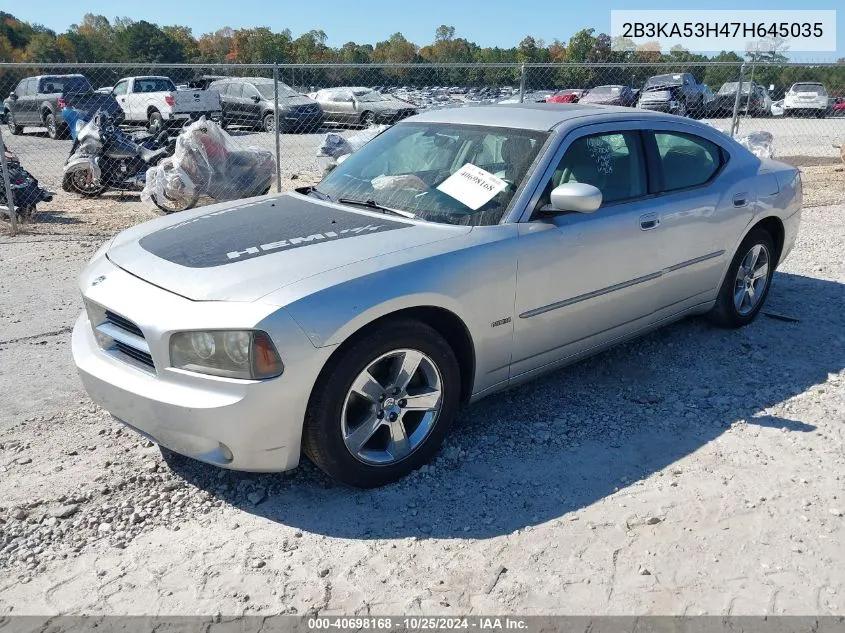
pixel 61 103
pixel 169 100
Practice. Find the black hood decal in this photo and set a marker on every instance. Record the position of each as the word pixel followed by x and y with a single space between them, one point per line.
pixel 262 228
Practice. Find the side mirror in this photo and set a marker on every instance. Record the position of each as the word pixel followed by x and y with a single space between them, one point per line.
pixel 576 196
pixel 13 95
pixel 256 98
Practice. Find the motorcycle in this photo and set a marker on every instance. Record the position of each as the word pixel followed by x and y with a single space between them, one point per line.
pixel 26 192
pixel 208 162
pixel 103 157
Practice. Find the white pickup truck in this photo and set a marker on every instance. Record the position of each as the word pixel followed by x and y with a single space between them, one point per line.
pixel 156 101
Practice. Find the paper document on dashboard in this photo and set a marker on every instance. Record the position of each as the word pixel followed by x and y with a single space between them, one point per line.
pixel 472 186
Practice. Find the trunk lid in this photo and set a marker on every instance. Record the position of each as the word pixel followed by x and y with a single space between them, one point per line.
pixel 195 101
pixel 243 251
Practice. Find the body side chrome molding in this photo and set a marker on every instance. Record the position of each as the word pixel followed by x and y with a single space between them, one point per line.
pixel 620 286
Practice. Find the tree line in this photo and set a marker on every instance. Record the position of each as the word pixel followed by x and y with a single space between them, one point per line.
pixel 98 39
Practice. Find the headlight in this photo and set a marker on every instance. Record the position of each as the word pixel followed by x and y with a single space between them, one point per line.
pixel 245 354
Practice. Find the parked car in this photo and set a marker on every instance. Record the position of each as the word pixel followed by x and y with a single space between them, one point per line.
pixel 431 268
pixel 677 93
pixel 806 98
pixel 570 95
pixel 156 102
pixel 838 107
pixel 362 106
pixel 38 102
pixel 251 101
pixel 611 95
pixel 754 99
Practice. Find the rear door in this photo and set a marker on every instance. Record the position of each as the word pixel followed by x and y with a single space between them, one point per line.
pixel 700 208
pixel 119 92
pixel 241 115
pixel 251 101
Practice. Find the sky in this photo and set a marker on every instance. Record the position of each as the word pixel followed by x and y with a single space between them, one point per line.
pixel 488 23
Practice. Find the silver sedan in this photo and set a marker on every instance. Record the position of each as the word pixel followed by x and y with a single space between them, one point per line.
pixel 460 252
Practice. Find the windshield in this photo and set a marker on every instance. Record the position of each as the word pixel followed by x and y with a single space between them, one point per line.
pixel 285 91
pixel 368 97
pixel 817 88
pixel 403 167
pixel 730 88
pixel 606 90
pixel 664 80
pixel 50 85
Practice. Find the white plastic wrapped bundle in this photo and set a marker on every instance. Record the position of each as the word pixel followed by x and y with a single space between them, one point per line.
pixel 759 143
pixel 334 146
pixel 207 161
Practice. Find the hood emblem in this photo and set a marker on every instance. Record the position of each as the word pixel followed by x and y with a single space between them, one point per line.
pixel 98 280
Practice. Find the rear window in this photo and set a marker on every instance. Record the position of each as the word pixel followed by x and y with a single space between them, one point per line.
pixel 606 90
pixel 665 80
pixel 154 84
pixel 50 85
pixel 817 88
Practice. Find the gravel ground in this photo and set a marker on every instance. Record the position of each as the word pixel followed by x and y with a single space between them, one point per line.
pixel 692 471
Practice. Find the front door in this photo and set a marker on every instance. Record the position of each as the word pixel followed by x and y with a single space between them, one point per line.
pixel 586 279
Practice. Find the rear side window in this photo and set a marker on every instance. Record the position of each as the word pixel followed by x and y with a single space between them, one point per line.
pixel 154 84
pixel 686 160
pixel 66 84
pixel 235 90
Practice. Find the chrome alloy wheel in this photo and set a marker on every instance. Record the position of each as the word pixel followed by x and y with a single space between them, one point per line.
pixel 752 277
pixel 391 407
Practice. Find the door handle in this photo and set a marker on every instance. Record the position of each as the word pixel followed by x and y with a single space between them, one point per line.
pixel 649 221
pixel 740 199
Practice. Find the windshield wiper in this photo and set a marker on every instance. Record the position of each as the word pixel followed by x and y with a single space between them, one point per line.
pixel 319 194
pixel 372 204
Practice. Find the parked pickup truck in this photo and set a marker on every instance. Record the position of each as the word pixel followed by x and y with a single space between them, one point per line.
pixel 38 102
pixel 676 93
pixel 156 102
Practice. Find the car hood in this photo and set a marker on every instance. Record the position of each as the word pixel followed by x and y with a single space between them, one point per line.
pixel 290 102
pixel 243 251
pixel 387 104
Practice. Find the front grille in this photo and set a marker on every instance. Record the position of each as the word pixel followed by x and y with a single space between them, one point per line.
pixel 123 323
pixel 132 352
pixel 120 337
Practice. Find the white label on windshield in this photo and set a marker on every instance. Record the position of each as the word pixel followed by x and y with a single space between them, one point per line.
pixel 472 186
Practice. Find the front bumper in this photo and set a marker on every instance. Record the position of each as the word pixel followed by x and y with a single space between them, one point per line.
pixel 659 106
pixel 238 424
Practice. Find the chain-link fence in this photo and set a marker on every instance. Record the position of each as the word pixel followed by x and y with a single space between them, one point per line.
pixel 269 147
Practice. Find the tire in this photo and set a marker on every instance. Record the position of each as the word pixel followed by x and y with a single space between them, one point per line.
pixel 368 119
pixel 10 123
pixel 52 125
pixel 682 108
pixel 77 182
pixel 155 122
pixel 335 407
pixel 268 123
pixel 727 312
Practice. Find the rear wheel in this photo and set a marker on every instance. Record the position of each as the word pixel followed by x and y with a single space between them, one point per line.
pixel 176 195
pixel 269 122
pixel 384 407
pixel 682 108
pixel 52 125
pixel 747 281
pixel 155 122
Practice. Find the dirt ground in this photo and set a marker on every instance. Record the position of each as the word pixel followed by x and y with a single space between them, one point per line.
pixel 693 471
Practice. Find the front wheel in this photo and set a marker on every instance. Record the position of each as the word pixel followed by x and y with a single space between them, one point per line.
pixel 747 281
pixel 155 124
pixel 383 408
pixel 14 128
pixel 82 182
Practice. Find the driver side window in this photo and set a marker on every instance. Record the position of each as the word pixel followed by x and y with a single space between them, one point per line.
pixel 120 88
pixel 612 162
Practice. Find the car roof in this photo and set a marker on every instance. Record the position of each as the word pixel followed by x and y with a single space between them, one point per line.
pixel 246 80
pixel 531 116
